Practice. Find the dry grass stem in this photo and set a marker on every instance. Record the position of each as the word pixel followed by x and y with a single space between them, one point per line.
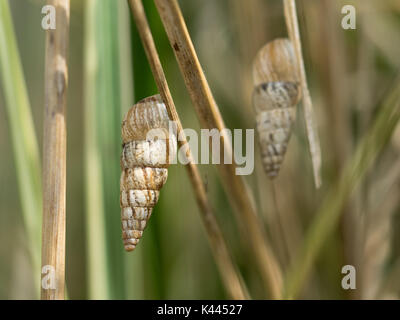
pixel 210 118
pixel 229 273
pixel 313 139
pixel 54 151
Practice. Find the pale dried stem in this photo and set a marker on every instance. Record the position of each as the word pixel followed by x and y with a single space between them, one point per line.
pixel 228 271
pixel 313 139
pixel 210 117
pixel 54 152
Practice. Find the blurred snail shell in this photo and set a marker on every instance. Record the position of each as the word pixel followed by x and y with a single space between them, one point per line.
pixel 275 96
pixel 144 162
pixel 276 61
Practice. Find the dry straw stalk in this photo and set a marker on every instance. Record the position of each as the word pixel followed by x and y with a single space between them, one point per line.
pixel 54 151
pixel 313 139
pixel 210 118
pixel 230 276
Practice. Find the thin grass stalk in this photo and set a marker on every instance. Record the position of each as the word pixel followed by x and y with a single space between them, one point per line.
pixel 54 150
pixel 229 273
pixel 24 141
pixel 327 217
pixel 97 266
pixel 210 117
pixel 133 264
pixel 107 118
pixel 312 133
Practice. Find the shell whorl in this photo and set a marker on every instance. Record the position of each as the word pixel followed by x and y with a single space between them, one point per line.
pixel 275 95
pixel 149 113
pixel 144 163
pixel 274 62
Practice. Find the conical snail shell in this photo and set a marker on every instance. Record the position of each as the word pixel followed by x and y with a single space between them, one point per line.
pixel 144 163
pixel 276 93
pixel 275 61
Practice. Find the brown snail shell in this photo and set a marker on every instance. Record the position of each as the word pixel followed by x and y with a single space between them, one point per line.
pixel 144 162
pixel 275 96
pixel 276 61
pixel 149 113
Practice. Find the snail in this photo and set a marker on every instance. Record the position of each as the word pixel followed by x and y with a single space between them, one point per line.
pixel 146 155
pixel 275 96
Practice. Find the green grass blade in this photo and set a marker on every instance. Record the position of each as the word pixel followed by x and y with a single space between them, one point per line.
pixel 25 146
pixel 109 89
pixel 133 262
pixel 109 135
pixel 97 265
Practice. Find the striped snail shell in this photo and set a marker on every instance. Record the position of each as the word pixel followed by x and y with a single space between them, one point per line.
pixel 146 154
pixel 275 96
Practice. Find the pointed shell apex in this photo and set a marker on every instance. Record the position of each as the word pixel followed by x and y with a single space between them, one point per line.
pixel 149 113
pixel 276 61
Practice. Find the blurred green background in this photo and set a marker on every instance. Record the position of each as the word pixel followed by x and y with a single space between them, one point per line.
pixel 350 74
